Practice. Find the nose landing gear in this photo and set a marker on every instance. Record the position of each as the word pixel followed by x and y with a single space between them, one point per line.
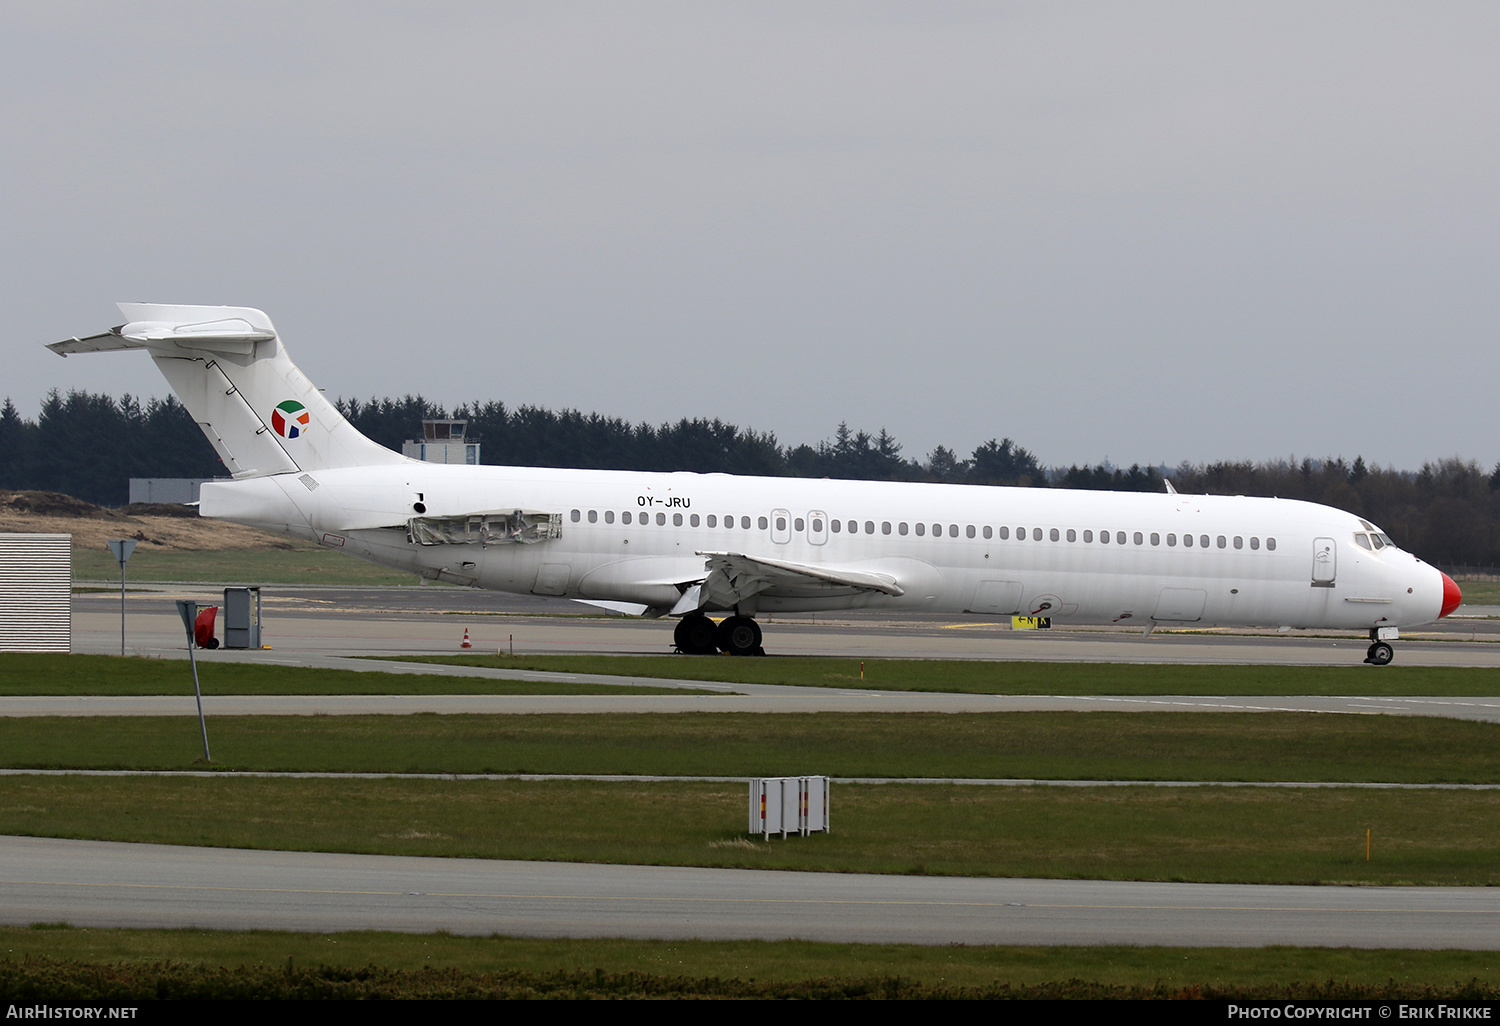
pixel 1380 653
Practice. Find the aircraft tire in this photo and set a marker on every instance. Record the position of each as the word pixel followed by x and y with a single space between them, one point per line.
pixel 1380 654
pixel 739 635
pixel 696 634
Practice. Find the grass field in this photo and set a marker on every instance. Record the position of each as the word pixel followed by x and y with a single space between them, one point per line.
pixel 29 673
pixel 1041 745
pixel 1012 678
pixel 1480 593
pixel 301 563
pixel 783 962
pixel 1208 834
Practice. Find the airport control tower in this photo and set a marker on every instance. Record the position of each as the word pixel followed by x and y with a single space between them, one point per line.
pixel 443 441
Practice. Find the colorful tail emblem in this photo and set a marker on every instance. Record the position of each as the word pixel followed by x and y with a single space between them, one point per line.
pixel 290 418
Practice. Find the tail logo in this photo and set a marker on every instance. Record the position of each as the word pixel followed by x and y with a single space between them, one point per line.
pixel 290 419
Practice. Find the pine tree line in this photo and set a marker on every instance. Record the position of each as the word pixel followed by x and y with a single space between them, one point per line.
pixel 90 445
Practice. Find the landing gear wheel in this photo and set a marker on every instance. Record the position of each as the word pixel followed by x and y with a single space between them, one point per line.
pixel 696 634
pixel 1380 654
pixel 740 635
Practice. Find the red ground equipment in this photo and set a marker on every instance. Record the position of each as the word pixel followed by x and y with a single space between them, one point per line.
pixel 203 628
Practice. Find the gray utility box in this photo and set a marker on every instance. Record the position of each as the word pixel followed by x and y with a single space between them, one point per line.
pixel 242 618
pixel 789 805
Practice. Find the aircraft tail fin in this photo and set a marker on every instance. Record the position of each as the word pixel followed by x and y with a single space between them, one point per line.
pixel 229 368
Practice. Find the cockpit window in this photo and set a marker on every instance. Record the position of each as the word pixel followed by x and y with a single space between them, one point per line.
pixel 1363 541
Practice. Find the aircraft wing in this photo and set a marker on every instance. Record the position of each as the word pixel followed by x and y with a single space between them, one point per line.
pixel 735 576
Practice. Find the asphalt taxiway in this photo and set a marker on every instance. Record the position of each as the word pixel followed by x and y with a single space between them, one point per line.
pixel 322 622
pixel 104 884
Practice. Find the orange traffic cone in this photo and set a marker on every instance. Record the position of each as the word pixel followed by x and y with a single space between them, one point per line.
pixel 466 643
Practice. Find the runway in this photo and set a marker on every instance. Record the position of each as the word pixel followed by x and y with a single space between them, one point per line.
pixel 98 884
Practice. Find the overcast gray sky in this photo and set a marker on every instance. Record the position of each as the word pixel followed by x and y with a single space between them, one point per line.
pixel 1143 231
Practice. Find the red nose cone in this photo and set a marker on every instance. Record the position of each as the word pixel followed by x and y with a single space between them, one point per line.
pixel 1451 595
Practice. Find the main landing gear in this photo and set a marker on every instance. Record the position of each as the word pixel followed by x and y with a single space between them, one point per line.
pixel 696 634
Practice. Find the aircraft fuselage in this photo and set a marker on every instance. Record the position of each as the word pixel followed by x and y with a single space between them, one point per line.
pixel 1075 556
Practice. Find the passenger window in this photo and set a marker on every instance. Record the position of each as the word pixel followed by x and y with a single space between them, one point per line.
pixel 781 523
pixel 1155 538
pixel 1005 534
pixel 1020 534
pixel 1239 542
pixel 1203 541
pixel 869 527
pixel 937 530
pixel 1138 539
pixel 817 526
pixel 854 527
pixel 761 523
pixel 837 525
pixel 885 527
pixel 593 516
pixel 1254 542
pixel 1221 541
pixel 988 531
pixel 1103 537
pixel 625 517
pixel 745 523
pixel 576 516
pixel 1171 541
pixel 901 528
pixel 1271 544
pixel 676 519
pixel 1072 535
pixel 953 530
pixel 609 516
pixel 1088 536
pixel 799 524
pixel 713 521
pixel 1120 537
pixel 969 531
pixel 1053 534
pixel 661 519
pixel 921 530
pixel 1187 540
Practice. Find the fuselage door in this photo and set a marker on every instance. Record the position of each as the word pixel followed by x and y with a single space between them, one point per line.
pixel 817 527
pixel 781 527
pixel 1324 562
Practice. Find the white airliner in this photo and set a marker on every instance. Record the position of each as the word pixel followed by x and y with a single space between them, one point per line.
pixel 687 545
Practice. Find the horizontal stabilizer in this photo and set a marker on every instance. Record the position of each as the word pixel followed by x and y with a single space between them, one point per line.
pixel 170 329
